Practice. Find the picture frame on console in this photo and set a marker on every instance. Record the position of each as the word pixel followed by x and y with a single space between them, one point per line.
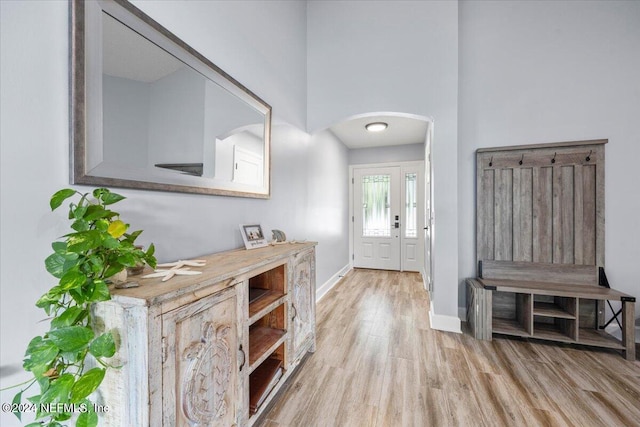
pixel 253 236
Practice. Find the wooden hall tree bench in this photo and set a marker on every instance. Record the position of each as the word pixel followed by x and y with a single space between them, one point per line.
pixel 540 237
pixel 553 302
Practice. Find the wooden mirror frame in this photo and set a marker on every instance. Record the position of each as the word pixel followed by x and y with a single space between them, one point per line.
pixel 80 86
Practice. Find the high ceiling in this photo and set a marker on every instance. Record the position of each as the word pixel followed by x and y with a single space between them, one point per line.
pixel 401 130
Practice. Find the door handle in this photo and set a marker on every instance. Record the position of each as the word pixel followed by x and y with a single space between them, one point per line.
pixel 396 225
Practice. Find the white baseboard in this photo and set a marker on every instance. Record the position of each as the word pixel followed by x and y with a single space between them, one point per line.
pixel 333 280
pixel 425 285
pixel 444 323
pixel 614 329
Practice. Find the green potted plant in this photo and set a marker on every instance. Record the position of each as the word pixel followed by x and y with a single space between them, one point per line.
pixel 68 362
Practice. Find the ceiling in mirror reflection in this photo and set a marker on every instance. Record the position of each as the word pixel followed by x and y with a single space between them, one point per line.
pixel 141 61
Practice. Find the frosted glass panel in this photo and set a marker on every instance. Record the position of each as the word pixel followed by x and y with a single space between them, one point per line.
pixel 411 206
pixel 376 206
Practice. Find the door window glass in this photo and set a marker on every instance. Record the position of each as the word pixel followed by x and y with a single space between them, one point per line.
pixel 376 206
pixel 411 205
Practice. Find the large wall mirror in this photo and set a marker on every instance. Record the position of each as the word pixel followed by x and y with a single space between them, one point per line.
pixel 149 112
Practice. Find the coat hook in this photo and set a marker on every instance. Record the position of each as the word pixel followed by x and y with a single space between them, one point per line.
pixel 521 159
pixel 491 162
pixel 554 158
pixel 589 156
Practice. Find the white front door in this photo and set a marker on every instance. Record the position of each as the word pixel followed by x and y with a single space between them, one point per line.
pixel 377 218
pixel 387 224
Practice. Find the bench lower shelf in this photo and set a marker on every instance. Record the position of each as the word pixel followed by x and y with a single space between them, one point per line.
pixel 547 332
pixel 543 320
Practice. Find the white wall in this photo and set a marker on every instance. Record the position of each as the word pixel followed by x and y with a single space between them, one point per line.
pixel 126 121
pixel 328 195
pixel 262 44
pixel 33 164
pixel 176 118
pixel 400 56
pixel 535 72
pixel 396 153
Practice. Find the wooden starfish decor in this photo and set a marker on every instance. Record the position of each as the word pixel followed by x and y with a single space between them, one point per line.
pixel 178 268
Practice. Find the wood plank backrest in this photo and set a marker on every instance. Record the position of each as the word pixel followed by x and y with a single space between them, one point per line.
pixel 540 272
pixel 541 203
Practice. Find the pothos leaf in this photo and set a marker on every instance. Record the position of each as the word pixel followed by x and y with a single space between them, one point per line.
pixel 151 250
pixel 40 351
pixel 17 399
pixel 129 260
pixel 102 225
pixel 103 346
pixel 49 299
pixel 113 269
pixel 81 225
pixel 59 389
pixel 117 228
pixel 96 212
pixel 87 384
pixel 54 264
pixel 84 241
pixel 100 291
pixel 149 258
pixel 110 198
pixel 79 211
pixel 72 279
pixel 59 247
pixel 59 197
pixel 71 338
pixel 133 236
pixel 87 419
pixel 110 242
pixel 34 399
pixel 69 317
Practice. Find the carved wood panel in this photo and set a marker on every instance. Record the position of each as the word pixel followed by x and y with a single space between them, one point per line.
pixel 542 203
pixel 200 381
pixel 207 375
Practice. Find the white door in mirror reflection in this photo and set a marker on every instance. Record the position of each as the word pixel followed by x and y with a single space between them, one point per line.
pixel 247 167
pixel 238 157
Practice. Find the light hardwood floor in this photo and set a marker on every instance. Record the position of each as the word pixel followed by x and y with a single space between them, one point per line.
pixel 379 364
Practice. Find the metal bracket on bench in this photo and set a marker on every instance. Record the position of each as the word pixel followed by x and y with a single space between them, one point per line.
pixel 602 281
pixel 615 317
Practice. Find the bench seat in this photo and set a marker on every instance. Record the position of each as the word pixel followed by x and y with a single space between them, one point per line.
pixel 555 289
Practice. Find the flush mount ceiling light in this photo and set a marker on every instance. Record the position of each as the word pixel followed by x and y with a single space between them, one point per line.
pixel 376 126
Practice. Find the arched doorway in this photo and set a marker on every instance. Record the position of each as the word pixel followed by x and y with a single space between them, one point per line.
pixel 395 163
